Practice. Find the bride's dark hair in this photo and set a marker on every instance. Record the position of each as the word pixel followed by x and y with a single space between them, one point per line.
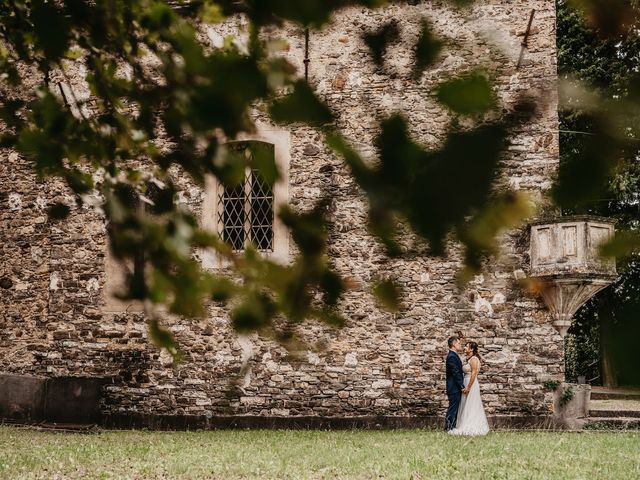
pixel 474 350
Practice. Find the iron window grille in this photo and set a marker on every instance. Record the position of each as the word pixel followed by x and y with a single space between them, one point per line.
pixel 245 211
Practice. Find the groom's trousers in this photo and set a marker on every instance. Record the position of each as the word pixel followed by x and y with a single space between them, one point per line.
pixel 452 411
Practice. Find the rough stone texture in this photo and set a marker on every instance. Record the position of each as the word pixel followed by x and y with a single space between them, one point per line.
pixel 52 276
pixel 571 412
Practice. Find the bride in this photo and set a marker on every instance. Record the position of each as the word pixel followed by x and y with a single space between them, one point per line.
pixel 471 417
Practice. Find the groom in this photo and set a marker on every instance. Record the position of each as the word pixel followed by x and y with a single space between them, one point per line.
pixel 455 382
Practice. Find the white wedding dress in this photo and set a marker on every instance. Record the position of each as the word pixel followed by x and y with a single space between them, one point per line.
pixel 471 417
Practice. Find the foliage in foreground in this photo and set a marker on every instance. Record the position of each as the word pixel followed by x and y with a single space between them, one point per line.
pixel 600 153
pixel 316 454
pixel 152 79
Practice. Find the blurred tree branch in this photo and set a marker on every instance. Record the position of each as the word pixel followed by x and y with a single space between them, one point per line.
pixel 162 99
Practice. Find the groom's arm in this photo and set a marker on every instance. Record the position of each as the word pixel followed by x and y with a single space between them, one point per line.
pixel 455 367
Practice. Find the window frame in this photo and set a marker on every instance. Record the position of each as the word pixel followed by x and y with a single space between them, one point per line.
pixel 281 141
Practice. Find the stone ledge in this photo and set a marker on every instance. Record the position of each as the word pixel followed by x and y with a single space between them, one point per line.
pixel 572 218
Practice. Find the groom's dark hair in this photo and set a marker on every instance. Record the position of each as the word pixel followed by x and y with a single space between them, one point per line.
pixel 451 340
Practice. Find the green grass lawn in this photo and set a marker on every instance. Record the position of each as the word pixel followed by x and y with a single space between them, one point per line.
pixel 317 454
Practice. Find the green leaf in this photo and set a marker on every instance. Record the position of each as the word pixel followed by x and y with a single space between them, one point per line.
pixel 508 210
pixel 163 338
pixel 301 105
pixel 9 110
pixel 211 12
pixel 51 28
pixel 8 70
pixel 78 181
pixel 58 211
pixel 162 197
pixel 254 313
pixel 47 155
pixel 307 229
pixel 414 184
pixel 467 95
pixel 426 50
pixel 379 40
pixel 222 289
pixel 479 234
pixel 331 317
pixel 264 161
pixel 388 294
pixel 159 286
pixel 624 244
pixel 158 16
pixel 359 168
pixel 230 165
pixel 256 154
pixel 8 140
pixel 308 12
pixel 332 286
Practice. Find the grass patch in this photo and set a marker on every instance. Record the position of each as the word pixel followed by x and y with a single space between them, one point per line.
pixel 297 454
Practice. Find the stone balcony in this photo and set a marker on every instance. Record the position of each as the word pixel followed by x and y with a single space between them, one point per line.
pixel 566 264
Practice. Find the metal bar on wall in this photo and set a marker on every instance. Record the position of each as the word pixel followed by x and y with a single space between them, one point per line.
pixel 306 54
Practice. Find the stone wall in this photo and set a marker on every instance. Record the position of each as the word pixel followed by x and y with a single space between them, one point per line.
pixel 52 275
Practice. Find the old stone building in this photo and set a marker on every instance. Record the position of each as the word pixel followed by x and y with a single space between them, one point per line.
pixel 57 317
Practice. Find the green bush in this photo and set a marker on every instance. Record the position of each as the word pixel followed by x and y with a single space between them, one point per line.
pixel 582 346
pixel 551 385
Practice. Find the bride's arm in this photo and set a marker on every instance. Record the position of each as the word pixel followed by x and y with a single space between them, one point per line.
pixel 474 372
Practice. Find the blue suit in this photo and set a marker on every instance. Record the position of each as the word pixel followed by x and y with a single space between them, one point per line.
pixel 455 385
